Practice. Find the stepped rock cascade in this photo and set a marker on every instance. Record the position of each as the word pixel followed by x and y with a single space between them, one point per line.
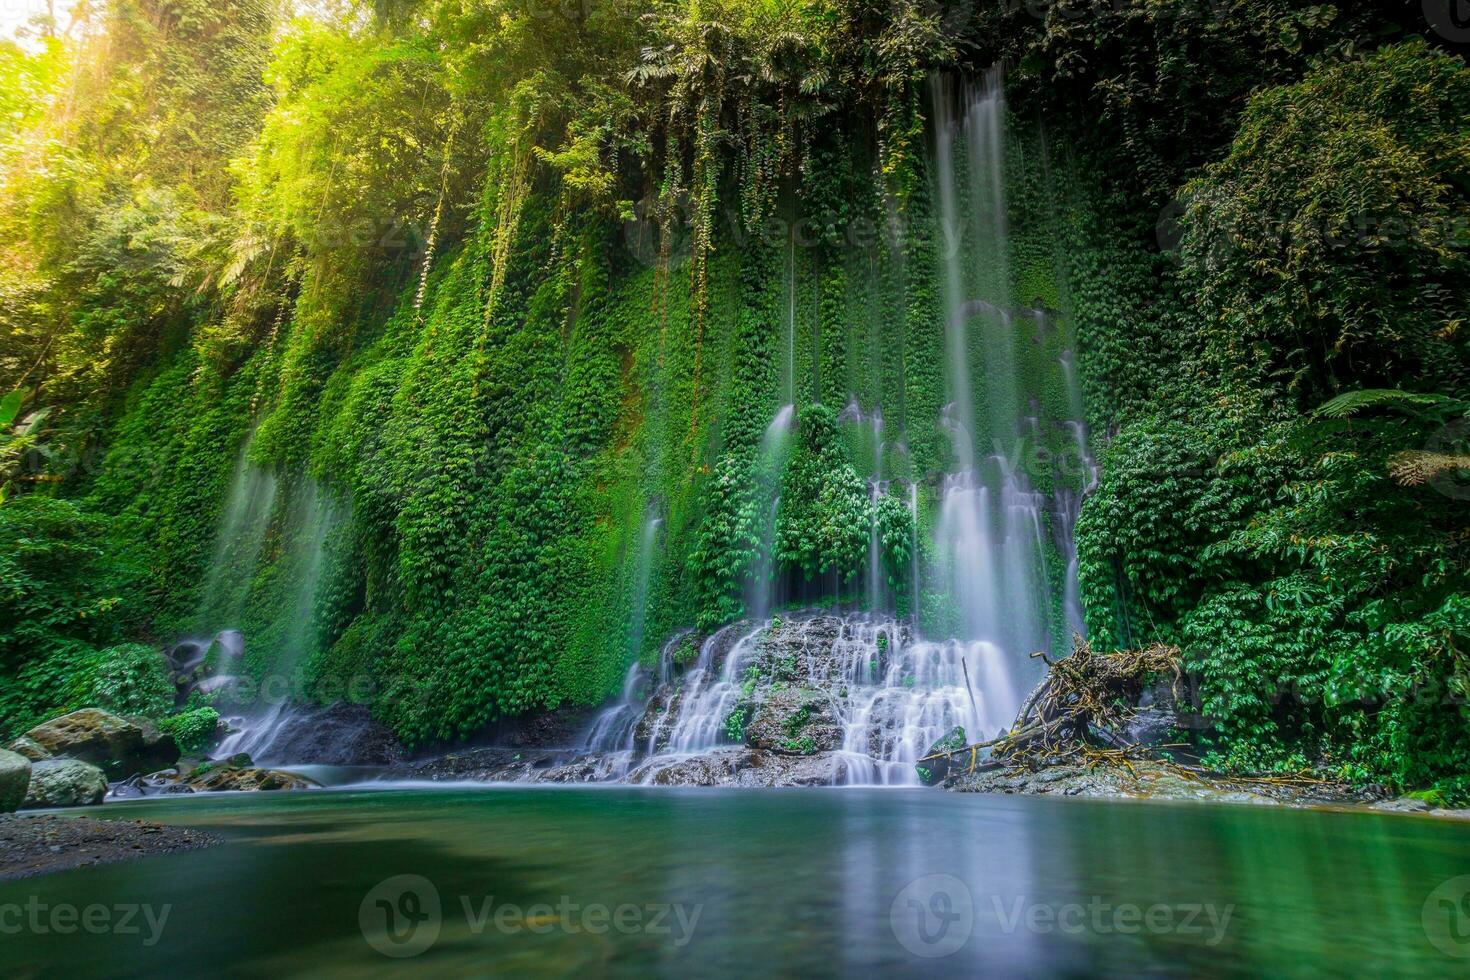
pixel 861 692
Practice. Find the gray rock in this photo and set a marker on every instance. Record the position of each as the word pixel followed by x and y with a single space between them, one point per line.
pixel 65 782
pixel 120 746
pixel 1155 718
pixel 1149 781
pixel 338 734
pixel 15 779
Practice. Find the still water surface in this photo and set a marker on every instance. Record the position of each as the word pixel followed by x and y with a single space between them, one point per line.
pixel 612 880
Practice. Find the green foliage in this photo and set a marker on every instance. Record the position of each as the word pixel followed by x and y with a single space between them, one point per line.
pixel 488 308
pixel 68 585
pixel 130 679
pixel 194 730
pixel 1277 522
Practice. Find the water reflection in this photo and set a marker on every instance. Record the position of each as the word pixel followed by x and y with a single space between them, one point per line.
pixel 798 882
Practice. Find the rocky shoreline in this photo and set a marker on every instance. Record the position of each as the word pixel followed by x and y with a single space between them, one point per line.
pixel 42 843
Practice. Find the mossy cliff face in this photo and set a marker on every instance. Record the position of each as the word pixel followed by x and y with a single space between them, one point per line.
pixel 486 511
pixel 446 356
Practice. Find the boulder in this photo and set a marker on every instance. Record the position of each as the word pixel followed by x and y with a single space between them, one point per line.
pixel 29 748
pixel 65 782
pixel 121 747
pixel 15 779
pixel 935 771
pixel 793 721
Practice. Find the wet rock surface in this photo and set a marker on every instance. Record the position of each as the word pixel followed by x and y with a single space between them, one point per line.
pixel 795 721
pixel 253 779
pixel 34 844
pixel 339 734
pixel 742 767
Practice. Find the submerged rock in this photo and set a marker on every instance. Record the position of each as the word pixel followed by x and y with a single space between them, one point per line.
pixel 65 782
pixel 15 779
pixel 121 747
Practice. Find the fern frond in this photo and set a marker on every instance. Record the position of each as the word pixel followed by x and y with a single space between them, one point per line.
pixel 1350 402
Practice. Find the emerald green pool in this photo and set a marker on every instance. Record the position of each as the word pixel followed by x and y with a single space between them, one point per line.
pixel 745 883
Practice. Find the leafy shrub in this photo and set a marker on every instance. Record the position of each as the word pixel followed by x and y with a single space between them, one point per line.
pixel 130 679
pixel 194 730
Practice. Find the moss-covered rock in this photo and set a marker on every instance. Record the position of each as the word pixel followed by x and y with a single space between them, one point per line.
pixel 121 747
pixel 932 771
pixel 30 748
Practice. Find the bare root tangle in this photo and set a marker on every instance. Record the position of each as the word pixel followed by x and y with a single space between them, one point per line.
pixel 1085 696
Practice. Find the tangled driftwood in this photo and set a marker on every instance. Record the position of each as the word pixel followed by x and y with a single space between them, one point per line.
pixel 1085 698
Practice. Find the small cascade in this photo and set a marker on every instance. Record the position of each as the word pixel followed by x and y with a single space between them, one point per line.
pixel 247 515
pixel 1084 471
pixel 876 490
pixel 254 735
pixel 643 575
pixel 916 581
pixel 312 513
pixel 710 690
pixel 760 591
pixel 883 697
pixel 906 695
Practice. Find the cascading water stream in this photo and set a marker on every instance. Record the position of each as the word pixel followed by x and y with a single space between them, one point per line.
pixel 243 524
pixel 890 695
pixel 989 536
pixel 760 589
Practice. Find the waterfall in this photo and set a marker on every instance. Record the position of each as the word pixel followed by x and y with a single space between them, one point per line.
pixel 243 524
pixel 760 588
pixel 890 695
pixel 311 516
pixel 876 490
pixel 643 574
pixel 990 539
